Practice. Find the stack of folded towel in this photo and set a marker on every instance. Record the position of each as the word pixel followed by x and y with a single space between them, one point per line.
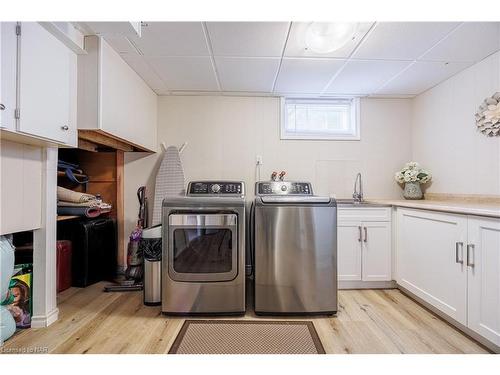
pixel 70 202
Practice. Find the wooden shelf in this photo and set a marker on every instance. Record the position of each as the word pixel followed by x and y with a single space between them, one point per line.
pixel 77 175
pixel 69 217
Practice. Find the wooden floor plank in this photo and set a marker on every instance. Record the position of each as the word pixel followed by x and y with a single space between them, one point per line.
pixel 368 321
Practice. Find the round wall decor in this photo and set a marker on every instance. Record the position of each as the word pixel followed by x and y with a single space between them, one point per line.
pixel 488 116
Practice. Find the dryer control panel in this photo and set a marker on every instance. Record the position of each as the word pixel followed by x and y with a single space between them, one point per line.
pixel 283 188
pixel 226 188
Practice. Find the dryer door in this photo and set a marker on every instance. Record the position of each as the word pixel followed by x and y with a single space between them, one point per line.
pixel 203 247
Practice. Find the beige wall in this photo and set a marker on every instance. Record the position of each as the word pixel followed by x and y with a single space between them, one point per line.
pixel 225 134
pixel 444 137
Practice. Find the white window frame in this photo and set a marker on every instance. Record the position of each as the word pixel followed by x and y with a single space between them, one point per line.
pixel 355 118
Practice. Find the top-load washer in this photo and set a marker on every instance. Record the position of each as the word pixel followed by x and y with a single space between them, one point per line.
pixel 295 249
pixel 203 262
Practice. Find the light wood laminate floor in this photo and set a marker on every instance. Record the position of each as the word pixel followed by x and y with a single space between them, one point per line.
pixel 368 321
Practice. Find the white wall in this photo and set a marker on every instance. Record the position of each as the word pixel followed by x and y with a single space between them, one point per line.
pixel 225 134
pixel 444 136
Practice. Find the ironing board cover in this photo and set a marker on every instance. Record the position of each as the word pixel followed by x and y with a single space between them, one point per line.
pixel 169 180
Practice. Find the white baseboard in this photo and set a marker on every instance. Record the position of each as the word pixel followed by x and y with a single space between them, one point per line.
pixel 356 284
pixel 43 321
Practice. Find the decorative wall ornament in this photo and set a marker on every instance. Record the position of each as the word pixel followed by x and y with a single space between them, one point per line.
pixel 488 116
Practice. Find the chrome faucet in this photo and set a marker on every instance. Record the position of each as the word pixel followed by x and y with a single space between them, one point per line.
pixel 358 195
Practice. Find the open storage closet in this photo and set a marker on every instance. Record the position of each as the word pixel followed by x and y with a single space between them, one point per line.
pixel 91 248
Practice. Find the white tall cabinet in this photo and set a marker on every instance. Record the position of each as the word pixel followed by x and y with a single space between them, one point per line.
pixel 452 262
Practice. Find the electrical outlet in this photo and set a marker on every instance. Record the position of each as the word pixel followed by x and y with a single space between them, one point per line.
pixel 258 160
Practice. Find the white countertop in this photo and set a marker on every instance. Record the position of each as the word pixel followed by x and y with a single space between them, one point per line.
pixel 453 206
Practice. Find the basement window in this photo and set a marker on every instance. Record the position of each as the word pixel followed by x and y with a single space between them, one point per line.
pixel 320 119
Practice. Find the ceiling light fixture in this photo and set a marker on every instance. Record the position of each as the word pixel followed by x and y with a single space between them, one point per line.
pixel 326 37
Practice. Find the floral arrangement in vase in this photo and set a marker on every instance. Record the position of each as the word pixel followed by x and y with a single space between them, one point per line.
pixel 412 175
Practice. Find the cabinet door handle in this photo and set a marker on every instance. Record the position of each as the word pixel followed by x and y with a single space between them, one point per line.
pixel 2 107
pixel 65 127
pixel 360 234
pixel 461 258
pixel 366 234
pixel 470 255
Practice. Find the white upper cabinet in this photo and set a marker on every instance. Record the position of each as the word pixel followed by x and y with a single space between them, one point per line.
pixel 8 52
pixel 47 82
pixel 430 259
pixel 483 266
pixel 38 85
pixel 113 99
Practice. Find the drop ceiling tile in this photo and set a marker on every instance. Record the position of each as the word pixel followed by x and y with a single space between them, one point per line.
pixel 402 40
pixel 172 39
pixel 421 76
pixel 265 39
pixel 296 44
pixel 120 44
pixel 247 74
pixel 306 75
pixel 472 41
pixel 146 72
pixel 185 73
pixel 365 76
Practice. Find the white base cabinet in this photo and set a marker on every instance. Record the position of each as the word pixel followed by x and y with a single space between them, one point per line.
pixel 483 271
pixel 364 244
pixel 452 262
pixel 427 261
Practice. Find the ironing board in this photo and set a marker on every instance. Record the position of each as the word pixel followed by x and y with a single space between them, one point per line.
pixel 169 180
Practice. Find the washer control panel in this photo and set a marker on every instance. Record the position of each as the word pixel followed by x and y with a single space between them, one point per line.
pixel 216 188
pixel 283 188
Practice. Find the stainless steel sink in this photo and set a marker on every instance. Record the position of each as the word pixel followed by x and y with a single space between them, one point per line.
pixel 352 203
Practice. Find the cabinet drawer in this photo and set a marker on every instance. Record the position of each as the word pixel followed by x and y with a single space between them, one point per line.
pixel 364 213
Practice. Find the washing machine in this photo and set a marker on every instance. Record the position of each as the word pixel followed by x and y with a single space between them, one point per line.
pixel 294 249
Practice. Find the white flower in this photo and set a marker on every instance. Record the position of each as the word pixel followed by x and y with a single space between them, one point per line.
pixel 412 165
pixel 412 172
pixel 399 177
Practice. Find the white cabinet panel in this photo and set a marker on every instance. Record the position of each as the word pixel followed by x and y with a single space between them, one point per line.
pixel 427 260
pixel 127 104
pixel 46 74
pixel 377 251
pixel 484 277
pixel 8 52
pixel 349 250
pixel 113 99
pixel 21 181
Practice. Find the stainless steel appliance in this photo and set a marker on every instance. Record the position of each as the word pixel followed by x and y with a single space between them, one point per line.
pixel 203 263
pixel 295 249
